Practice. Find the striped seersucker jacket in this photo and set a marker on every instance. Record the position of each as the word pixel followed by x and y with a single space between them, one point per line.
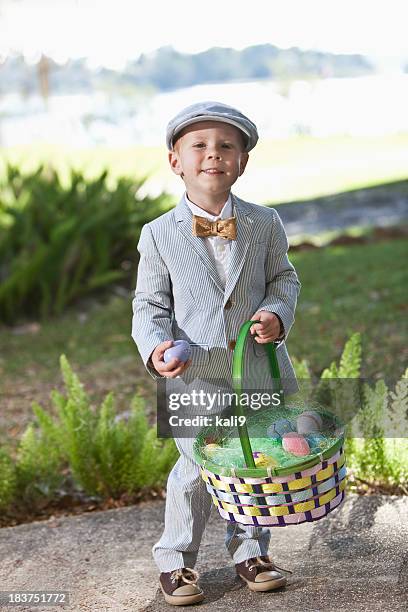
pixel 179 294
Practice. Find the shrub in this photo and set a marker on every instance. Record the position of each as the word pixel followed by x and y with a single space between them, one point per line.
pixel 380 455
pixel 95 451
pixel 8 481
pixel 376 419
pixel 59 243
pixel 103 454
pixel 39 466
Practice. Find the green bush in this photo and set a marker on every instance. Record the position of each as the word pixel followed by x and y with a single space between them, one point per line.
pixel 106 455
pixel 94 450
pixel 58 243
pixel 376 419
pixel 380 436
pixel 8 480
pixel 39 467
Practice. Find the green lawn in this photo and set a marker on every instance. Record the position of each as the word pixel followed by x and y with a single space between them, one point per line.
pixel 344 289
pixel 279 170
pixel 348 289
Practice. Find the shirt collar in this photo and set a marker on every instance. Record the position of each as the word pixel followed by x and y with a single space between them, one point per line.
pixel 196 210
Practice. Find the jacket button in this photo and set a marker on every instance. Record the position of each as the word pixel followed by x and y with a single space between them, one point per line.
pixel 228 304
pixel 231 344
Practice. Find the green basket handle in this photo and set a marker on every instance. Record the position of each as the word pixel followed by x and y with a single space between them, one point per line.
pixel 237 377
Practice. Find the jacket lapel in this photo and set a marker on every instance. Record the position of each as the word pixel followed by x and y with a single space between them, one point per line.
pixel 184 219
pixel 239 246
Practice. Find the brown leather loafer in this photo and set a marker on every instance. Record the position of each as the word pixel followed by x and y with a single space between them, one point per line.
pixel 260 573
pixel 180 587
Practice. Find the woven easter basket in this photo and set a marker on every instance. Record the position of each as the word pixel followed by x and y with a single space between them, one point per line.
pixel 304 491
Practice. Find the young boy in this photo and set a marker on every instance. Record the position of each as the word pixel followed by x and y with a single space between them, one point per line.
pixel 207 266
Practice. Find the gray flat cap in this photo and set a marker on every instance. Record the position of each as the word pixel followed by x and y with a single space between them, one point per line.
pixel 212 111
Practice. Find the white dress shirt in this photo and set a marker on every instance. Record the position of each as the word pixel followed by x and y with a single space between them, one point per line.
pixel 218 248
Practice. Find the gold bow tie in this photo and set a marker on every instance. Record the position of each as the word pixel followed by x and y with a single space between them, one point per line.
pixel 224 228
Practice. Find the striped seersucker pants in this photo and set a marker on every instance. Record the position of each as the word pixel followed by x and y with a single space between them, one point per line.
pixel 188 506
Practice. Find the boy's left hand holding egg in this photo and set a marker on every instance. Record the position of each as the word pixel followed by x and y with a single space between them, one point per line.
pixel 269 329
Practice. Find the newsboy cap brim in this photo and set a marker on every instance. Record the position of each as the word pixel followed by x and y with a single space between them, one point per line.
pixel 211 111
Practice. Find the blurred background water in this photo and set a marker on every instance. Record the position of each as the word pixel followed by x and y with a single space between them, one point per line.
pixel 370 105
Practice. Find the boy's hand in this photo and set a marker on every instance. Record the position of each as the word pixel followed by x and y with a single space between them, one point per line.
pixel 171 369
pixel 269 329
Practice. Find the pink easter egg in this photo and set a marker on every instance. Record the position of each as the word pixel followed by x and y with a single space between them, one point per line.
pixel 295 444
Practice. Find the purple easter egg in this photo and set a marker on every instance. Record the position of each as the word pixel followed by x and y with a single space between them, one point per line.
pixel 180 349
pixel 295 444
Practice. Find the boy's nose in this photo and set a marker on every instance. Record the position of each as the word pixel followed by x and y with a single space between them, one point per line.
pixel 212 154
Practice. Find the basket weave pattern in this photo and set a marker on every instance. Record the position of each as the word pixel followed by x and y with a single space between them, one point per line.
pixel 306 492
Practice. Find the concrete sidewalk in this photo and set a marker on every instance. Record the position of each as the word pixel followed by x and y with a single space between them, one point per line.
pixel 354 559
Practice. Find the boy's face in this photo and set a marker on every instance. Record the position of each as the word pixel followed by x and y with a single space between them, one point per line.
pixel 209 156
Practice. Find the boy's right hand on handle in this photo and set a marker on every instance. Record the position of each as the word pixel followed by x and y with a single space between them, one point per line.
pixel 173 368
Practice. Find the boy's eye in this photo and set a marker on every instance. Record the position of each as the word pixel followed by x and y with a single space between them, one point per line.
pixel 225 145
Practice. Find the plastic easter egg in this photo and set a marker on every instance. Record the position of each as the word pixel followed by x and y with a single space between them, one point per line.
pixel 180 349
pixel 309 421
pixel 317 441
pixel 211 448
pixel 278 428
pixel 295 444
pixel 263 460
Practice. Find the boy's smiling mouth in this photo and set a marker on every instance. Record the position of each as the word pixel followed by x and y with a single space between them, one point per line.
pixel 212 171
